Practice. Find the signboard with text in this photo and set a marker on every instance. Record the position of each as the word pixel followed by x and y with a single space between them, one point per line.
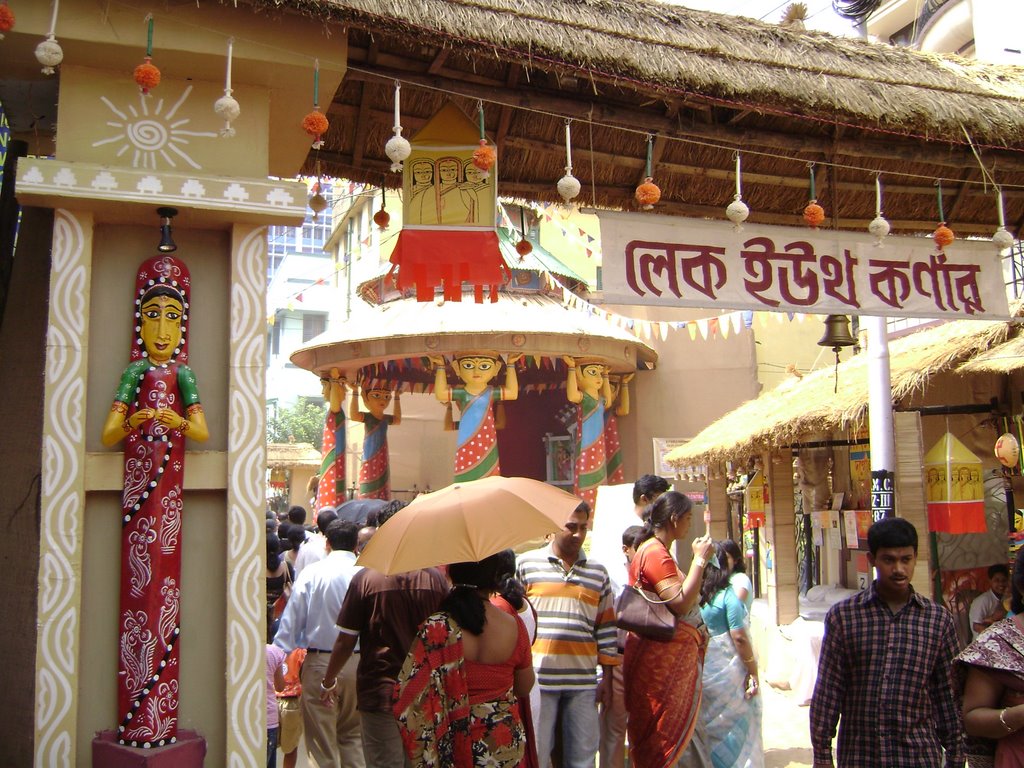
pixel 677 262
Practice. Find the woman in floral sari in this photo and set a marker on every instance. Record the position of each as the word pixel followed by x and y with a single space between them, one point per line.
pixel 663 678
pixel 991 669
pixel 455 699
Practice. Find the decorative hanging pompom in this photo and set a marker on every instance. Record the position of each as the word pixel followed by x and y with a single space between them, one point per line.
pixel 1001 239
pixel 6 19
pixel 382 218
pixel 398 148
pixel 147 76
pixel 943 235
pixel 227 106
pixel 647 194
pixel 484 157
pixel 315 123
pixel 814 214
pixel 737 211
pixel 568 186
pixel 879 226
pixel 49 54
pixel 524 247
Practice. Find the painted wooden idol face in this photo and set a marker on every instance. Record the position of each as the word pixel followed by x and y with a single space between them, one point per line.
pixel 591 377
pixel 476 371
pixel 160 327
pixel 377 400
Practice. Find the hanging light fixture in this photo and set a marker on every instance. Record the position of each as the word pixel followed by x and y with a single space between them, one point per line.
pixel 837 335
pixel 167 244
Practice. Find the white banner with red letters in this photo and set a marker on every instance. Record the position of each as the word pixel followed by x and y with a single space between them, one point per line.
pixel 677 262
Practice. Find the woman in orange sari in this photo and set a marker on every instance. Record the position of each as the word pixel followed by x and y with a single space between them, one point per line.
pixel 663 678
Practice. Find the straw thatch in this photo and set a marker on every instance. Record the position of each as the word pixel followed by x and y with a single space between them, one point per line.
pixel 800 407
pixel 1004 359
pixel 705 84
pixel 288 455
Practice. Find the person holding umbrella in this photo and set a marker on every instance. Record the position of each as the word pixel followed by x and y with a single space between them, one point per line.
pixel 457 692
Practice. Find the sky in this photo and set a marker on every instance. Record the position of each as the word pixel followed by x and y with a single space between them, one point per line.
pixel 820 15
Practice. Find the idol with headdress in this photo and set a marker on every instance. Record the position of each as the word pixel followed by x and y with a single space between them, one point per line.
pixel 587 384
pixel 375 471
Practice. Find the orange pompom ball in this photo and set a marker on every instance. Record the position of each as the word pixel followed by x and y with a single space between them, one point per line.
pixel 315 124
pixel 647 194
pixel 814 214
pixel 6 19
pixel 943 235
pixel 524 247
pixel 382 218
pixel 484 156
pixel 147 76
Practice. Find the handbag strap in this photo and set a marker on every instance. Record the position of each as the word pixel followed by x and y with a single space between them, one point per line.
pixel 643 593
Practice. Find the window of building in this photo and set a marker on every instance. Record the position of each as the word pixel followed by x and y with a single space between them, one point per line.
pixel 313 324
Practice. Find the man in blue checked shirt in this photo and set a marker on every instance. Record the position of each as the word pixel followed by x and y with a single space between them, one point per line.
pixel 885 669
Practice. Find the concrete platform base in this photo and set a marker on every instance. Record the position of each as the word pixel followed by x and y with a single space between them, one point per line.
pixel 187 752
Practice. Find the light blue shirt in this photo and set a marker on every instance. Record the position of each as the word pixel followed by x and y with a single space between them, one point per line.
pixel 309 619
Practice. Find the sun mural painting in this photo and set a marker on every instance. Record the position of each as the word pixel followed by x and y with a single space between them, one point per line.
pixel 156 407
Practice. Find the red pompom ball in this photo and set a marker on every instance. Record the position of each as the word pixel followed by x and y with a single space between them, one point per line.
pixel 647 194
pixel 943 235
pixel 6 19
pixel 382 218
pixel 814 214
pixel 484 156
pixel 315 124
pixel 523 247
pixel 147 76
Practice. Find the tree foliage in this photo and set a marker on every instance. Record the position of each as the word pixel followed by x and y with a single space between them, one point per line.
pixel 300 423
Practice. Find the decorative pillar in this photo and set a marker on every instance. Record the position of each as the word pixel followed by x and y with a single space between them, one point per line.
pixel 718 504
pixel 911 498
pixel 780 532
pixel 880 419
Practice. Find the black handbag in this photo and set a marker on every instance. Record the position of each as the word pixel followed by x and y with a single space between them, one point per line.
pixel 637 611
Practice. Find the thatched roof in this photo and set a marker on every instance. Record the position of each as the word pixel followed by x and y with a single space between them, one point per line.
pixel 1005 358
pixel 800 407
pixel 287 455
pixel 704 84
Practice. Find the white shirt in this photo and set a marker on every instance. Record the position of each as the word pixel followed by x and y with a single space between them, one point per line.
pixel 313 551
pixel 981 607
pixel 309 619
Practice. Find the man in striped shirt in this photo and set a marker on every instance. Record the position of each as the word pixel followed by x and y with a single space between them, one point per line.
pixel 575 632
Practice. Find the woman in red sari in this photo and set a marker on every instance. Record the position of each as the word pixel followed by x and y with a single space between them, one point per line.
pixel 663 678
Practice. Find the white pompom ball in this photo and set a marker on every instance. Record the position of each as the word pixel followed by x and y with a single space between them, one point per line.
pixel 878 227
pixel 737 212
pixel 1002 239
pixel 49 54
pixel 397 149
pixel 227 107
pixel 568 187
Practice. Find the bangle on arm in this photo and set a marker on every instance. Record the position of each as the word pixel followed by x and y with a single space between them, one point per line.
pixel 1002 719
pixel 699 561
pixel 328 689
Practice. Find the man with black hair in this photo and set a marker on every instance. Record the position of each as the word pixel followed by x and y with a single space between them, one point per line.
pixel 380 613
pixel 315 548
pixel 885 668
pixel 988 608
pixel 646 491
pixel 332 736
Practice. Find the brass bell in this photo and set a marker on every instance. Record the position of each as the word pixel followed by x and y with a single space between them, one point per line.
pixel 837 333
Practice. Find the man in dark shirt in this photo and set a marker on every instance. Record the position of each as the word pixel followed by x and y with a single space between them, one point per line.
pixel 885 668
pixel 383 614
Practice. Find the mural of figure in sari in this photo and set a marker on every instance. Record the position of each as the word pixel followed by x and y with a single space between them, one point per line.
pixel 472 191
pixel 155 408
pixel 422 207
pixel 612 444
pixel 330 491
pixel 587 384
pixel 451 208
pixel 476 455
pixel 375 471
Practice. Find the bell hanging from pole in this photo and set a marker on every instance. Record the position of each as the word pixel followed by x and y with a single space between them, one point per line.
pixel 837 335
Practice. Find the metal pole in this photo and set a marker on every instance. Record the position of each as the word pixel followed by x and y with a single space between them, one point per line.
pixel 880 420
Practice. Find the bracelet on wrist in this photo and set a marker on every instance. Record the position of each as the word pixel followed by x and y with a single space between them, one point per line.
pixel 328 689
pixel 699 561
pixel 1009 728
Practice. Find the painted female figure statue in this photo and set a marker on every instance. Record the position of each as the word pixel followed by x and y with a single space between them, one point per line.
pixel 477 452
pixel 612 444
pixel 587 384
pixel 155 408
pixel 330 489
pixel 375 472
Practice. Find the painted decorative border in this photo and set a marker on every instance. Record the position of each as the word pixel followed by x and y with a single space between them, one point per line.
pixel 87 181
pixel 246 631
pixel 63 491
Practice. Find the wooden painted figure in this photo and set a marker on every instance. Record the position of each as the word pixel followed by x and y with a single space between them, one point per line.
pixel 155 408
pixel 477 453
pixel 587 384
pixel 612 444
pixel 375 471
pixel 330 489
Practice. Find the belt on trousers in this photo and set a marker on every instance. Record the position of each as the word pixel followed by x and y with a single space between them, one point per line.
pixel 321 650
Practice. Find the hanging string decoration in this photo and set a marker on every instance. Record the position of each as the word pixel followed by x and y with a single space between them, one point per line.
pixel 6 19
pixel 147 76
pixel 227 106
pixel 382 218
pixel 315 123
pixel 484 155
pixel 398 148
pixel 737 211
pixel 317 201
pixel 942 235
pixel 814 214
pixel 1001 239
pixel 879 226
pixel 48 52
pixel 568 186
pixel 648 193
pixel 524 246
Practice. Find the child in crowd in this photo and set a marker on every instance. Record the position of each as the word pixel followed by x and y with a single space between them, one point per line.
pixel 275 682
pixel 290 723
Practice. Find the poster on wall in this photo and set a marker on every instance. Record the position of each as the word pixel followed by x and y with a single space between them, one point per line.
pixel 662 447
pixel 850 528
